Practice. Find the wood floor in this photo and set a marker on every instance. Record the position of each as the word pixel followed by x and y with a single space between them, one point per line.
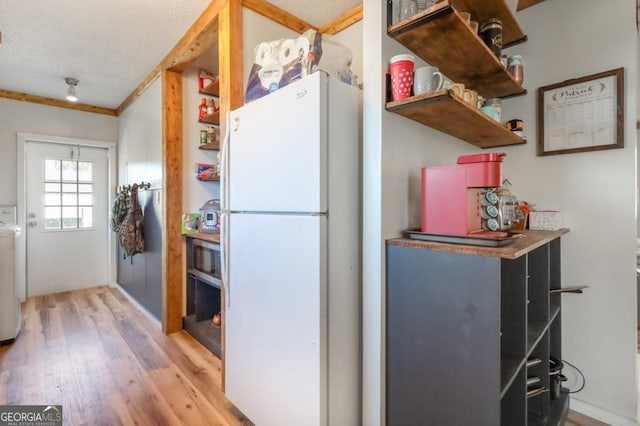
pixel 106 363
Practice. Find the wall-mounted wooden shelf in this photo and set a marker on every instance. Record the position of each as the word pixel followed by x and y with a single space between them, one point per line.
pixel 446 112
pixel 439 36
pixel 213 179
pixel 211 119
pixel 212 89
pixel 482 11
pixel 212 146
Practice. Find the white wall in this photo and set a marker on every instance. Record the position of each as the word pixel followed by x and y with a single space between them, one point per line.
pixel 26 117
pixel 352 38
pixel 140 139
pixel 596 191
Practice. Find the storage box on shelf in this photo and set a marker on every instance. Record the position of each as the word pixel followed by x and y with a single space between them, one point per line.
pixel 440 36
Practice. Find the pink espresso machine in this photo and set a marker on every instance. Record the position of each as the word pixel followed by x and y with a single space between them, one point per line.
pixel 466 199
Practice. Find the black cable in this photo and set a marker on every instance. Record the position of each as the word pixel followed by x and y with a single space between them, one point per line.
pixel 584 381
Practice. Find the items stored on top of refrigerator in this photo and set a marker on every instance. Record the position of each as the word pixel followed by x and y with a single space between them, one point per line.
pixel 290 236
pixel 278 63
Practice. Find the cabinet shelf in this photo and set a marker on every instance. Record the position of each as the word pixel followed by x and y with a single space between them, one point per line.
pixel 211 146
pixel 211 119
pixel 212 89
pixel 213 179
pixel 439 36
pixel 446 112
pixel 510 365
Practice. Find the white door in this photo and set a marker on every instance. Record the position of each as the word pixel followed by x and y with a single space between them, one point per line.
pixel 67 217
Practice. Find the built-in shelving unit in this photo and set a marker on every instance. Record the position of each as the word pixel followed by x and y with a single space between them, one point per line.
pixel 441 37
pixel 474 327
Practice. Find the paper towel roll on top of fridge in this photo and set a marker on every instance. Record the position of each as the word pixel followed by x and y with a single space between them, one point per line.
pixel 280 62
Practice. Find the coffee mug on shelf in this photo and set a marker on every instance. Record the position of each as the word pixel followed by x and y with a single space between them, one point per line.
pixel 401 70
pixel 457 89
pixel 426 80
pixel 471 97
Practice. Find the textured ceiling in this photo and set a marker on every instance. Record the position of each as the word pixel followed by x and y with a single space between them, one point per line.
pixel 109 45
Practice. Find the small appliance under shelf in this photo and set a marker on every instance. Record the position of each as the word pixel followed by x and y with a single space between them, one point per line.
pixel 444 111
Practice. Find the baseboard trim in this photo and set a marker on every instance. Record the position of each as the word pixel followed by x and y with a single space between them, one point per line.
pixel 600 414
pixel 135 303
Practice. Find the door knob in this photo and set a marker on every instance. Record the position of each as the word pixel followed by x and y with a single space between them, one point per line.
pixel 32 224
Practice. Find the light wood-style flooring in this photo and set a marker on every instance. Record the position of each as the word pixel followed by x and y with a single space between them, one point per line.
pixel 106 363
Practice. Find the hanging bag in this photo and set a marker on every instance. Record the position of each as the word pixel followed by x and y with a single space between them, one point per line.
pixel 130 235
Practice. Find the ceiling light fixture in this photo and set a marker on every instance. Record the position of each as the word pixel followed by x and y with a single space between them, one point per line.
pixel 71 91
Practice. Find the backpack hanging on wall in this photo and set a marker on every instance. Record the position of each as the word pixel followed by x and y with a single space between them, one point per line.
pixel 119 210
pixel 130 234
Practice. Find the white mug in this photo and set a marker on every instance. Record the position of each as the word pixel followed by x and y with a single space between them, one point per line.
pixel 425 78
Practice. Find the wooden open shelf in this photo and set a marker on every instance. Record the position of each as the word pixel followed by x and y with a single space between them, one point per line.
pixel 213 179
pixel 212 89
pixel 482 11
pixel 439 36
pixel 446 112
pixel 212 146
pixel 211 119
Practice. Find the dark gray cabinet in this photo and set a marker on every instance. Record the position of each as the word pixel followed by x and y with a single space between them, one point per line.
pixel 141 275
pixel 470 332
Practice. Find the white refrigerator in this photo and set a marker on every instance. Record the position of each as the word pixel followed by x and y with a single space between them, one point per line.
pixel 291 232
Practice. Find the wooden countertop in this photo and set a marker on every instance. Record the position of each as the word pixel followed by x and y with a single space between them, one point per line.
pixel 531 241
pixel 214 238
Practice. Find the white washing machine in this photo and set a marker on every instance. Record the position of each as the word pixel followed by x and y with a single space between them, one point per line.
pixel 10 313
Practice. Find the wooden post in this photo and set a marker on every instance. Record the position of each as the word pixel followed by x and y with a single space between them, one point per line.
pixel 172 203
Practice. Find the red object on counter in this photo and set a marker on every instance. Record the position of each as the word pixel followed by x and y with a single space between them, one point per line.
pixel 451 194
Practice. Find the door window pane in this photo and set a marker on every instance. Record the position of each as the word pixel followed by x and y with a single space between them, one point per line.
pixel 85 199
pixel 51 169
pixel 52 199
pixel 86 217
pixel 85 171
pixel 69 171
pixel 52 187
pixel 52 217
pixel 68 204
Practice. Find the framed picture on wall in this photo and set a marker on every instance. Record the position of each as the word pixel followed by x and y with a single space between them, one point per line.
pixel 582 114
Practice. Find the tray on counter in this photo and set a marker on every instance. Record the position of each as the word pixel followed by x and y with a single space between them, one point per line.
pixel 486 240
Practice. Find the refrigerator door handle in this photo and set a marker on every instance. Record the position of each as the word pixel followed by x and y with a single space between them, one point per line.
pixel 224 181
pixel 224 257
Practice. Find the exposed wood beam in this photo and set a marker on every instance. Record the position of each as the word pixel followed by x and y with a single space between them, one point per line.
pixel 172 203
pixel 278 15
pixel 523 4
pixel 43 100
pixel 189 47
pixel 200 43
pixel 230 57
pixel 230 62
pixel 343 22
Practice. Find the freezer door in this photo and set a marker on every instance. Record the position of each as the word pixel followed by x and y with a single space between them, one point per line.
pixel 278 150
pixel 275 353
